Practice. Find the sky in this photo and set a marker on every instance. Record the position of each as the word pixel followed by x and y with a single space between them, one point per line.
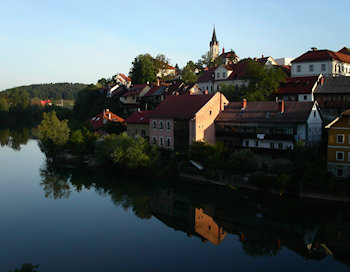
pixel 51 41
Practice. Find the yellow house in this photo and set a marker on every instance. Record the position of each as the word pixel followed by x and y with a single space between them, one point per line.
pixel 338 149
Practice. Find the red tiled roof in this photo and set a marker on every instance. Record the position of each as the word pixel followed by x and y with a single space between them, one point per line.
pixel 297 85
pixel 97 121
pixel 181 106
pixel 125 77
pixel 152 91
pixel 319 55
pixel 207 75
pixel 294 112
pixel 344 50
pixel 139 117
pixel 346 113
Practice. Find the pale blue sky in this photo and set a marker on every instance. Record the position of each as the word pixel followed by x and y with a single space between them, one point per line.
pixel 81 41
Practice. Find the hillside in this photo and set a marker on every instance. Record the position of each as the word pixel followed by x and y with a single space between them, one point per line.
pixel 52 90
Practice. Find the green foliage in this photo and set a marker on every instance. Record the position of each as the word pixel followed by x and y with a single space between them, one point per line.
pixel 262 81
pixel 26 267
pixel 51 91
pixel 143 69
pixel 4 105
pixel 52 129
pixel 231 92
pixel 205 61
pixel 187 73
pixel 242 162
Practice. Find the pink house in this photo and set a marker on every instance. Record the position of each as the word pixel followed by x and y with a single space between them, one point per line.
pixel 181 119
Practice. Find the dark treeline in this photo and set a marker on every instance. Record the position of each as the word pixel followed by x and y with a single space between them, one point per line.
pixel 51 91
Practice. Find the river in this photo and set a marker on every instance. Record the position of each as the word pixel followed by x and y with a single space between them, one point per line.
pixel 74 219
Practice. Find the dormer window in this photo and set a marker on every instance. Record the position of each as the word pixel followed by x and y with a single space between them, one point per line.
pixel 217 75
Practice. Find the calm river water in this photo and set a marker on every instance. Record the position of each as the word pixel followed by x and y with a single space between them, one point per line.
pixel 79 220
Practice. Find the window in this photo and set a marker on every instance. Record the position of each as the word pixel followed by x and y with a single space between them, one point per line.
pixel 311 68
pixel 272 145
pixel 323 67
pixel 217 75
pixel 314 113
pixel 340 172
pixel 256 143
pixel 209 112
pixel 340 138
pixel 161 125
pixel 161 141
pixel 154 124
pixel 223 75
pixel 168 141
pixel 211 88
pixel 154 140
pixel 339 155
pixel 246 143
pixel 298 68
pixel 305 97
pixel 143 133
pixel 168 125
pixel 280 145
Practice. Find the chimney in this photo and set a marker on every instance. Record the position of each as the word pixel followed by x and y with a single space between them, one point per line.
pixel 321 80
pixel 158 81
pixel 281 106
pixel 244 103
pixel 262 56
pixel 255 58
pixel 223 50
pixel 206 92
pixel 313 48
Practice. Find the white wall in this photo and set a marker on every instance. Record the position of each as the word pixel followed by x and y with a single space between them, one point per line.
pixel 267 143
pixel 332 68
pixel 314 122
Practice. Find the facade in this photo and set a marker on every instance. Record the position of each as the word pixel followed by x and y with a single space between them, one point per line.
pixel 298 88
pixel 269 125
pixel 333 96
pixel 181 119
pixel 338 148
pixel 325 62
pixel 137 124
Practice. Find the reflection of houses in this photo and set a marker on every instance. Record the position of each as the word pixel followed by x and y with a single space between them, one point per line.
pixel 181 119
pixel 338 149
pixel 138 124
pixel 101 120
pixel 269 125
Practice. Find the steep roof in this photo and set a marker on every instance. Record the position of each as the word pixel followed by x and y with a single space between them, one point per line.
pixel 268 112
pixel 319 55
pixel 135 90
pixel 181 106
pixel 213 38
pixel 344 50
pixel 297 85
pixel 97 121
pixel 139 117
pixel 153 90
pixel 333 85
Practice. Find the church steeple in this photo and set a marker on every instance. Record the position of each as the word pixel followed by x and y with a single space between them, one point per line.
pixel 214 46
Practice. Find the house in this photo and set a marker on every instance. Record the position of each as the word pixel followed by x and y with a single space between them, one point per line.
pixel 338 148
pixel 167 70
pixel 266 61
pixel 99 121
pixel 333 96
pixel 298 88
pixel 269 125
pixel 229 58
pixel 345 50
pixel 214 77
pixel 181 119
pixel 138 124
pixel 284 61
pixel 326 62
pixel 133 96
pixel 123 80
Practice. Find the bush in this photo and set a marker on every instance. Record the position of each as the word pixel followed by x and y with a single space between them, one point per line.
pixel 242 162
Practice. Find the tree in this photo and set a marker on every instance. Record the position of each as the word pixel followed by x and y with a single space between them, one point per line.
pixel 263 81
pixel 205 61
pixel 143 69
pixel 26 267
pixel 4 105
pixel 187 73
pixel 53 133
pixel 242 162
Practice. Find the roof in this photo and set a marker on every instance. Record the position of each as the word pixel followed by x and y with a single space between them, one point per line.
pixel 319 55
pixel 139 117
pixel 344 50
pixel 297 85
pixel 125 77
pixel 97 121
pixel 152 91
pixel 229 54
pixel 207 75
pixel 213 38
pixel 135 90
pixel 331 85
pixel 267 112
pixel 181 106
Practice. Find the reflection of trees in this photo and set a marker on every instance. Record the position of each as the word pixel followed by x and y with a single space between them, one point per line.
pixel 14 138
pixel 55 184
pixel 259 248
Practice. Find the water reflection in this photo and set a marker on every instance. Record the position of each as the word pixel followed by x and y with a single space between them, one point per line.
pixel 263 225
pixel 14 138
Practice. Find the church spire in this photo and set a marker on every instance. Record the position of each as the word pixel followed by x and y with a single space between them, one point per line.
pixel 214 47
pixel 213 39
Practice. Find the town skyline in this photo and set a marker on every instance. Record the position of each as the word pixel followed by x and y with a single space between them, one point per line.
pixel 72 42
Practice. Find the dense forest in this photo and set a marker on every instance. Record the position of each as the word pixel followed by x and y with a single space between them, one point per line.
pixel 52 90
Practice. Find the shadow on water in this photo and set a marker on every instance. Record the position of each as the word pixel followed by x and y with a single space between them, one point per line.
pixel 263 224
pixel 14 138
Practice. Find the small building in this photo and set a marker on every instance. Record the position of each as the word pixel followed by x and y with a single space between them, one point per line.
pixel 100 120
pixel 338 148
pixel 269 125
pixel 181 119
pixel 326 62
pixel 138 124
pixel 134 95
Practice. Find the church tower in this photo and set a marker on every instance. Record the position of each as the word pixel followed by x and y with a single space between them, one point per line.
pixel 214 47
